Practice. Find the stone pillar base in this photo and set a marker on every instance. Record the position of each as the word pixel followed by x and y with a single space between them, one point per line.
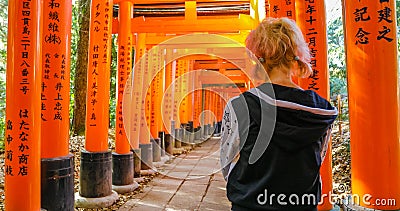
pixel 146 156
pixel 136 162
pixel 96 203
pixel 122 169
pixel 156 149
pixel 57 183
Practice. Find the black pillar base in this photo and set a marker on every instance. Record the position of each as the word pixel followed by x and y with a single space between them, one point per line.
pixel 57 183
pixel 95 174
pixel 197 134
pixel 190 132
pixel 137 165
pixel 169 144
pixel 156 149
pixel 184 136
pixel 205 132
pixel 161 135
pixel 122 173
pixel 219 126
pixel 146 156
pixel 178 138
pixel 210 130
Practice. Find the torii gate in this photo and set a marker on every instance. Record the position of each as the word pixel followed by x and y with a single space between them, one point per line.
pixel 373 87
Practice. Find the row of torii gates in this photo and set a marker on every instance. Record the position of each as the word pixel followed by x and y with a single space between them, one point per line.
pixel 38 66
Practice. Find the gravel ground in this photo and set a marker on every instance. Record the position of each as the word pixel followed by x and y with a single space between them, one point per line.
pixel 340 153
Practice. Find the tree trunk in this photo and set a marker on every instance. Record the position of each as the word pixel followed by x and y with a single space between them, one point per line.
pixel 79 118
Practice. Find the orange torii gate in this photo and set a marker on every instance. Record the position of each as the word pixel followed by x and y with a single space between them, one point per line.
pixel 371 91
pixel 97 156
pixel 123 158
pixel 23 118
pixel 370 38
pixel 310 16
pixel 57 164
pixel 151 38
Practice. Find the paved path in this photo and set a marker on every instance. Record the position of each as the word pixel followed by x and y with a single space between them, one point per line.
pixel 190 182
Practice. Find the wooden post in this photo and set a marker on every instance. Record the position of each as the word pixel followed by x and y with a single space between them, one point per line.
pixel 159 91
pixel 55 79
pixel 371 50
pixel 190 104
pixel 136 101
pixel 155 66
pixel 123 165
pixel 154 87
pixel 182 69
pixel 98 94
pixel 23 122
pixel 310 16
pixel 144 121
pixel 281 8
pixel 124 71
pixel 168 105
pixel 57 164
pixel 96 156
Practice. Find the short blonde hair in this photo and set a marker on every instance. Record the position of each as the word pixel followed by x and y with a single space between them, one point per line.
pixel 280 43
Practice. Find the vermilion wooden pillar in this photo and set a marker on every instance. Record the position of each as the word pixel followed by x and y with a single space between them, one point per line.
pixel 55 79
pixel 281 8
pixel 97 115
pixel 372 62
pixel 136 101
pixel 144 125
pixel 159 86
pixel 159 93
pixel 96 156
pixel 57 164
pixel 179 101
pixel 168 105
pixel 123 165
pixel 122 145
pixel 189 133
pixel 310 16
pixel 184 113
pixel 183 68
pixel 23 122
pixel 199 105
pixel 155 65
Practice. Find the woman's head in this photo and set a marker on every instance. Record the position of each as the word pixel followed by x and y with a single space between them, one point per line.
pixel 279 44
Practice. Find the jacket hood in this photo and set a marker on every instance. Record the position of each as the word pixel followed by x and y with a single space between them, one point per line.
pixel 296 118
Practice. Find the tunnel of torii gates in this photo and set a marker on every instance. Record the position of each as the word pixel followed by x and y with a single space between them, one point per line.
pixel 173 104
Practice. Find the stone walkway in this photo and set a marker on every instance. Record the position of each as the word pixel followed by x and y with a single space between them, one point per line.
pixel 190 182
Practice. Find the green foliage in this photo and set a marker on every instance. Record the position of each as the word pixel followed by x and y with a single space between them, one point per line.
pixel 3 62
pixel 113 81
pixel 336 62
pixel 398 27
pixel 76 12
pixel 336 55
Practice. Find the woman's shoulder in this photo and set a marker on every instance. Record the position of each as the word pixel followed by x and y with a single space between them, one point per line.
pixel 308 98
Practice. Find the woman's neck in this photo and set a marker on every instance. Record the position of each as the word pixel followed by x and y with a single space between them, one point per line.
pixel 282 78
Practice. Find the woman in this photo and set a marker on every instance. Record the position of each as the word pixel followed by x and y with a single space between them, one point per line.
pixel 274 136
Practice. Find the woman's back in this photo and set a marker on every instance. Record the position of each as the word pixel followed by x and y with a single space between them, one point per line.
pixel 286 174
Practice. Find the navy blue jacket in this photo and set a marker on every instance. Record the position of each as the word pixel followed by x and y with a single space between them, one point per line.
pixel 284 161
